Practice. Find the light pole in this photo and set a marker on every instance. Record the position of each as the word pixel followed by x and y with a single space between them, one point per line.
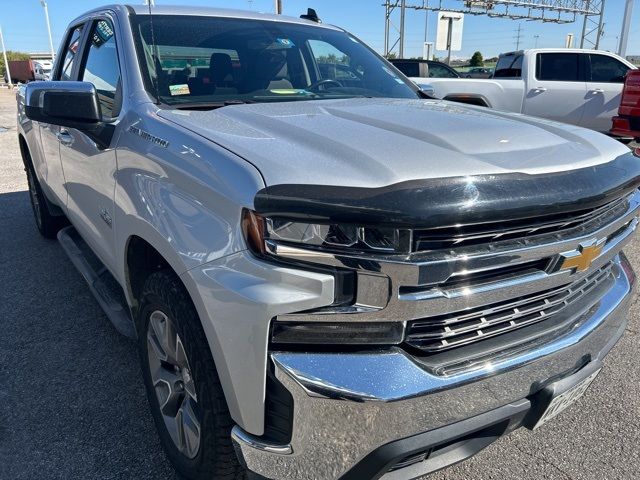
pixel 6 63
pixel 46 14
pixel 626 25
pixel 536 37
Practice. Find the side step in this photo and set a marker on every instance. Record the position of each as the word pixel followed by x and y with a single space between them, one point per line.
pixel 102 284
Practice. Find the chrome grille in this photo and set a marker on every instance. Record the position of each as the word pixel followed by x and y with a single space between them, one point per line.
pixel 461 328
pixel 467 235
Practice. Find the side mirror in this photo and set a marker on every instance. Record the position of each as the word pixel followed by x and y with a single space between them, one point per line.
pixel 426 90
pixel 68 104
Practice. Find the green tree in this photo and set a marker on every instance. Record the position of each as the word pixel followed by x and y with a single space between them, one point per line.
pixel 11 55
pixel 391 55
pixel 476 60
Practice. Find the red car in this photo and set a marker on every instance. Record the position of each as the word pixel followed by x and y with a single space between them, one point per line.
pixel 627 122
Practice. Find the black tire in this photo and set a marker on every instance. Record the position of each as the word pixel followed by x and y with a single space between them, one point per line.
pixel 48 225
pixel 216 458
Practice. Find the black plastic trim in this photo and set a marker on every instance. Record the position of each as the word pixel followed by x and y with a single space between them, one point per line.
pixel 446 446
pixel 457 442
pixel 454 200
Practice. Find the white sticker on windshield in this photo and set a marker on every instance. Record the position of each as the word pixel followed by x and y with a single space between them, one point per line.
pixel 181 89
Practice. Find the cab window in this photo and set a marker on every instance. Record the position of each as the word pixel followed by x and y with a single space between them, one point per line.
pixel 559 67
pixel 102 68
pixel 410 69
pixel 509 66
pixel 438 71
pixel 70 51
pixel 607 69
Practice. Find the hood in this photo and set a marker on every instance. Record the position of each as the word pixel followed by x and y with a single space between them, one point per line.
pixel 376 142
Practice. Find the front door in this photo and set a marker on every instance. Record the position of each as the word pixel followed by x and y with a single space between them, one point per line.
pixel 49 134
pixel 556 88
pixel 605 79
pixel 90 171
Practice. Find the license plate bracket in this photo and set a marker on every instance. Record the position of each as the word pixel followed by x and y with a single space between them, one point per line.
pixel 558 396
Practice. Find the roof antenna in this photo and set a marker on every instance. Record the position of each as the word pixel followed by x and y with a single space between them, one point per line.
pixel 155 55
pixel 311 15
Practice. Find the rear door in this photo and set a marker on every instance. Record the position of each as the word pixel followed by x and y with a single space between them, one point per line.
pixel 605 78
pixel 65 70
pixel 556 87
pixel 90 171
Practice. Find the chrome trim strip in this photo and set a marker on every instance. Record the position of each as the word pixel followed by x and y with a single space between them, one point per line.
pixel 242 437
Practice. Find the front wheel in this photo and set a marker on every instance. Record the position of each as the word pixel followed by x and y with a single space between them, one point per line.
pixel 183 388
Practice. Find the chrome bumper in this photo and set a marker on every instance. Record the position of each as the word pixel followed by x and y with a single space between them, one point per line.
pixel 350 404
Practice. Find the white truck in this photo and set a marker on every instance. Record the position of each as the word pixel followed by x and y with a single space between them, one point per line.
pixel 580 87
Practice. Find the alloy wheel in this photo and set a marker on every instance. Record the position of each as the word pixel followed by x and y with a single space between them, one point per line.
pixel 174 384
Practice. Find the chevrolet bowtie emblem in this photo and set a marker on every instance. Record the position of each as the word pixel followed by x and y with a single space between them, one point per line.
pixel 582 258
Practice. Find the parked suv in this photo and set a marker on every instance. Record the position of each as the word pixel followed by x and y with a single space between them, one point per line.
pixel 326 274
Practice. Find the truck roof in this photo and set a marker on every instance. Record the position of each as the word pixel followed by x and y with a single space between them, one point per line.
pixel 206 12
pixel 568 50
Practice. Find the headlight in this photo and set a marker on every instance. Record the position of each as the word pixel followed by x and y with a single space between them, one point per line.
pixel 258 229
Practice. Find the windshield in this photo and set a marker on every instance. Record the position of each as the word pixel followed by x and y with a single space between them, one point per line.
pixel 213 60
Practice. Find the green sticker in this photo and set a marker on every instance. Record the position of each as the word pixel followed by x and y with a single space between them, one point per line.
pixel 181 89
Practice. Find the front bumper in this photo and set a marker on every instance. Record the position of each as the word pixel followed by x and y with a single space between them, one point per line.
pixel 349 407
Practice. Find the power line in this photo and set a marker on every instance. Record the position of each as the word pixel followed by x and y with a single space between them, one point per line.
pixel 518 37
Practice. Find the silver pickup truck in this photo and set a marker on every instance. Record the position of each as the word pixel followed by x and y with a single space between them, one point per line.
pixel 327 274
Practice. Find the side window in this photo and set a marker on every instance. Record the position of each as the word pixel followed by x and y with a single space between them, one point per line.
pixel 438 71
pixel 329 59
pixel 560 67
pixel 70 51
pixel 102 68
pixel 509 66
pixel 410 69
pixel 607 69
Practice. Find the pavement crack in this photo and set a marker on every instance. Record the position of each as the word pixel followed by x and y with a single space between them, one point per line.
pixel 545 461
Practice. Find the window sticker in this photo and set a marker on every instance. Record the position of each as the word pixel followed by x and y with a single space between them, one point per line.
pixel 181 89
pixel 289 91
pixel 285 42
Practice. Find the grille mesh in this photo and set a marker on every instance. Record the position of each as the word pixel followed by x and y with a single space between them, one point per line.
pixel 461 328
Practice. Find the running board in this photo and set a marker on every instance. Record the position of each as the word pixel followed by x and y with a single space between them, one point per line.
pixel 102 284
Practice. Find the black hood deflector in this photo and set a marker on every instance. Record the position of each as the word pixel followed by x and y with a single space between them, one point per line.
pixel 443 202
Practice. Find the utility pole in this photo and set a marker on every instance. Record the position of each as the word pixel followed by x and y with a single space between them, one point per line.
pixel 626 25
pixel 278 7
pixel 536 41
pixel 6 63
pixel 426 20
pixel 518 36
pixel 46 15
pixel 403 6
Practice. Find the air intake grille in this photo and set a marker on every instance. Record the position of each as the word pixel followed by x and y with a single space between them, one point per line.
pixel 453 330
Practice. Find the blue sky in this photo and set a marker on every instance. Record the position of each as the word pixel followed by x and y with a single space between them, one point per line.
pixel 24 25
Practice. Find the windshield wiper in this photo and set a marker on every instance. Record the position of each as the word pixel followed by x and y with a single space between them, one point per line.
pixel 210 105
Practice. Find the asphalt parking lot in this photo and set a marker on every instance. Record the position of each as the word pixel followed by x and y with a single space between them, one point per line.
pixel 72 403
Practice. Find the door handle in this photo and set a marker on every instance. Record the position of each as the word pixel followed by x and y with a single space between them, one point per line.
pixel 64 137
pixel 597 90
pixel 540 89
